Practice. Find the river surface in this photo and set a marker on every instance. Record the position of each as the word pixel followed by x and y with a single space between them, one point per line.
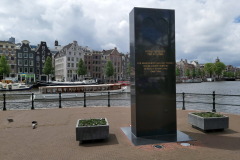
pixel 21 99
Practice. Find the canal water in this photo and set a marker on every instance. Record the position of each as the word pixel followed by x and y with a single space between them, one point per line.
pixel 21 99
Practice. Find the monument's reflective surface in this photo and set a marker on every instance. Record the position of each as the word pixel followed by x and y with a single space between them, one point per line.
pixel 153 88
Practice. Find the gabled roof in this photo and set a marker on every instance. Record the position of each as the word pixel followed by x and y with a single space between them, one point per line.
pixel 6 42
pixel 108 52
pixel 68 46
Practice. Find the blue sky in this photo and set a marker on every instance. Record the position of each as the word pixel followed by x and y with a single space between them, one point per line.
pixel 204 29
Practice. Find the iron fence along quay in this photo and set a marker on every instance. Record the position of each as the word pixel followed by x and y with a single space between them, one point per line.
pixel 190 98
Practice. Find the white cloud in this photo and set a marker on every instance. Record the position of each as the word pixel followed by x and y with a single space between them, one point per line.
pixel 204 29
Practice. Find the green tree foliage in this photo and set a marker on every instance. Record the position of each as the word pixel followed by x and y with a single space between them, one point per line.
pixel 224 74
pixel 48 68
pixel 203 73
pixel 4 67
pixel 209 68
pixel 199 72
pixel 128 69
pixel 236 74
pixel 218 68
pixel 81 68
pixel 177 71
pixel 187 72
pixel 193 73
pixel 109 71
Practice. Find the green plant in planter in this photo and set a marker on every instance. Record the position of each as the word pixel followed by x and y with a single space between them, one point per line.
pixel 92 122
pixel 208 114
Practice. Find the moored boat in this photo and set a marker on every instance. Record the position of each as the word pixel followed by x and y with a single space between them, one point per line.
pixel 9 85
pixel 52 92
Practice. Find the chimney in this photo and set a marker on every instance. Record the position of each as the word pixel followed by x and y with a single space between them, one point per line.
pixel 115 48
pixel 186 60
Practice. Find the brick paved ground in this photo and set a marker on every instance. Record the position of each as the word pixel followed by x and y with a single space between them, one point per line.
pixel 54 137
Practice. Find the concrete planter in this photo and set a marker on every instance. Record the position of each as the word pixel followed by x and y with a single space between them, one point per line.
pixel 209 123
pixel 92 132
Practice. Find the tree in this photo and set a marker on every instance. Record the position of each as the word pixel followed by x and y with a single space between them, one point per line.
pixel 193 73
pixel 218 68
pixel 236 74
pixel 81 68
pixel 203 73
pixel 199 72
pixel 177 71
pixel 187 72
pixel 209 68
pixel 109 71
pixel 4 67
pixel 128 69
pixel 48 68
pixel 224 74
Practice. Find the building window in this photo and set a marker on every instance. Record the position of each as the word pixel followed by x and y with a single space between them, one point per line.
pixel 89 62
pixel 1 45
pixel 30 55
pixel 68 58
pixel 26 70
pixel 77 59
pixel 6 51
pixel 12 58
pixel 12 66
pixel 38 64
pixel 72 65
pixel 76 64
pixel 69 73
pixel 1 51
pixel 69 53
pixel 38 71
pixel 7 57
pixel 20 70
pixel 115 52
pixel 89 57
pixel 38 58
pixel 93 62
pixel 25 55
pixel 20 62
pixel 25 62
pixel 43 47
pixel 12 52
pixel 74 53
pixel 72 58
pixel 31 70
pixel 68 64
pixel 89 67
pixel 6 46
pixel 85 62
pixel 12 46
pixel 43 52
pixel 30 62
pixel 79 54
pixel 25 49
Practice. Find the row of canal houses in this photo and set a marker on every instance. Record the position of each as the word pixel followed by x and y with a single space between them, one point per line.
pixel 27 61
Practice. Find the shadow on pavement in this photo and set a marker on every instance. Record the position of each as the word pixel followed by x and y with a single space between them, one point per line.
pixel 112 140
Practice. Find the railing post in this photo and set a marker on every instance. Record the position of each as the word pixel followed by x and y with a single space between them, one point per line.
pixel 32 101
pixel 183 95
pixel 84 104
pixel 4 102
pixel 108 99
pixel 60 105
pixel 213 110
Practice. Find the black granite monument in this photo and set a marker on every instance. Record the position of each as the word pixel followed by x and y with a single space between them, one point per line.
pixel 153 84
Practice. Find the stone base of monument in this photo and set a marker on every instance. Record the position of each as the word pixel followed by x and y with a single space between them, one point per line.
pixel 137 141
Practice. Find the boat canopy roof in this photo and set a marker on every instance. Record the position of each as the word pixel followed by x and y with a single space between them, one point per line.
pixel 84 86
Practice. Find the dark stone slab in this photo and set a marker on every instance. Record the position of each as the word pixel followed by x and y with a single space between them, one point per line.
pixel 137 141
pixel 153 84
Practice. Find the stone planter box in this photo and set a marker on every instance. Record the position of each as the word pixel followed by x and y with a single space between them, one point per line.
pixel 208 123
pixel 92 132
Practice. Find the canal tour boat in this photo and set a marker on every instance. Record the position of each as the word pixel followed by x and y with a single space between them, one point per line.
pixel 9 85
pixel 52 92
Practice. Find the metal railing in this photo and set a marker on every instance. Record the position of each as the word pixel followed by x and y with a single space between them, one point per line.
pixel 183 95
pixel 60 100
